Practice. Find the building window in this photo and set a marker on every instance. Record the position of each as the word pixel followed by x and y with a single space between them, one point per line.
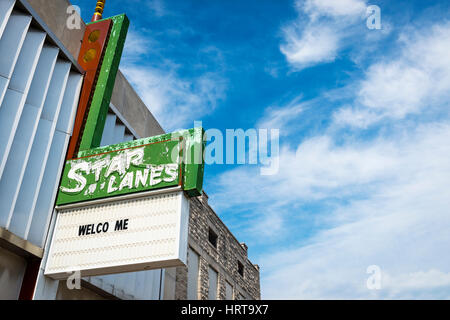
pixel 213 277
pixel 241 268
pixel 228 291
pixel 193 268
pixel 212 237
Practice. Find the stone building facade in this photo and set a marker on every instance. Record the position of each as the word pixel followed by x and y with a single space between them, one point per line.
pixel 218 253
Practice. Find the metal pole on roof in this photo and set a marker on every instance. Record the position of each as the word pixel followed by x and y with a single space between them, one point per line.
pixel 98 10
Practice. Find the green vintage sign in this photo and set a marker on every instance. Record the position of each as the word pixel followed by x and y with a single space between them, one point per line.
pixel 168 160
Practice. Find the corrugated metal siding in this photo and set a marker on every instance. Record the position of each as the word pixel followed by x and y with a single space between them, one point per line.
pixel 116 131
pixel 38 98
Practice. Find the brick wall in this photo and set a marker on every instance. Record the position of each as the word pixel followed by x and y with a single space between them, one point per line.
pixel 223 259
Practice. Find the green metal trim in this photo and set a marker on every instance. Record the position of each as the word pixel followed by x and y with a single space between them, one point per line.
pixel 193 155
pixel 98 111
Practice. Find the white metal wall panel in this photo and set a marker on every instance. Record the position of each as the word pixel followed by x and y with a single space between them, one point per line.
pixel 11 42
pixel 115 131
pixel 108 131
pixel 34 173
pixel 6 6
pixel 128 137
pixel 10 47
pixel 20 151
pixel 47 193
pixel 3 86
pixel 24 70
pixel 55 162
pixel 119 133
pixel 15 97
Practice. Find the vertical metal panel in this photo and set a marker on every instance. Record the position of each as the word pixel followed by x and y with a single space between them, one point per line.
pixel 55 95
pixel 42 76
pixel 120 282
pixel 108 131
pixel 70 102
pixel 47 193
pixel 115 131
pixel 9 117
pixel 139 284
pixel 119 133
pixel 15 28
pixel 14 168
pixel 152 284
pixel 128 137
pixel 193 269
pixel 15 97
pixel 3 86
pixel 20 151
pixel 41 147
pixel 27 61
pixel 11 42
pixel 6 7
pixel 55 162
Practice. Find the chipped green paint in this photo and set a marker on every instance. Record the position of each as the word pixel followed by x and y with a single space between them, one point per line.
pixel 157 162
pixel 98 110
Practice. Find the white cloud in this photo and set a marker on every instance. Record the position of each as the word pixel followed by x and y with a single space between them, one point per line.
pixel 157 7
pixel 282 117
pixel 339 9
pixel 327 27
pixel 175 101
pixel 400 221
pixel 314 45
pixel 136 45
pixel 389 193
pixel 417 77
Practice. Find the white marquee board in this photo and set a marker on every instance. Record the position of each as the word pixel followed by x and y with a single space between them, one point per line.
pixel 123 235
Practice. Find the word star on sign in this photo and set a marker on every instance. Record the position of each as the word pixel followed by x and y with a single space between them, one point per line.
pixel 103 170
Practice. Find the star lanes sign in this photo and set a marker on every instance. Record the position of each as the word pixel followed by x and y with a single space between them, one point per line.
pixel 168 160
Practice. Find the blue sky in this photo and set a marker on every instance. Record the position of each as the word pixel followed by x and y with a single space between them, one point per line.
pixel 364 132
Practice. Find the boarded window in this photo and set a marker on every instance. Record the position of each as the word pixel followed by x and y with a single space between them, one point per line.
pixel 212 292
pixel 228 291
pixel 192 285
